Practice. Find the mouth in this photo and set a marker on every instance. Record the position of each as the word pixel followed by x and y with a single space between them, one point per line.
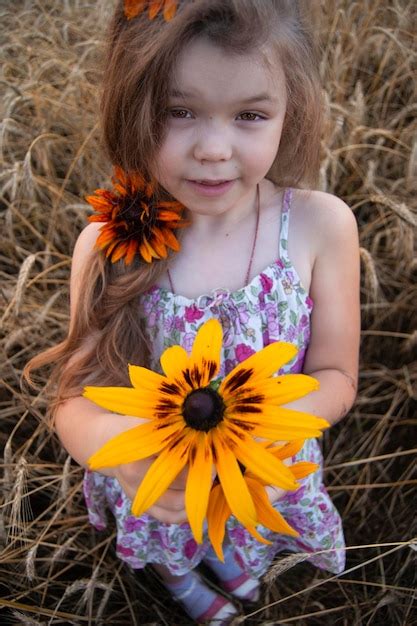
pixel 211 182
pixel 211 188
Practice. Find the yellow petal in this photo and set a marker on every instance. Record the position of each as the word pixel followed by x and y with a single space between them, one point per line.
pixel 252 530
pixel 303 469
pixel 274 432
pixel 204 362
pixel 136 402
pixel 261 462
pixel 267 515
pixel 283 389
pixel 298 470
pixel 198 483
pixel 173 361
pixel 161 473
pixel 142 378
pixel 132 445
pixel 234 487
pixel 259 365
pixel 118 399
pixel 288 449
pixel 271 416
pixel 299 418
pixel 218 512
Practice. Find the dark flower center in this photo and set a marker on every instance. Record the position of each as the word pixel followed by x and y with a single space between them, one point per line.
pixel 203 409
pixel 132 212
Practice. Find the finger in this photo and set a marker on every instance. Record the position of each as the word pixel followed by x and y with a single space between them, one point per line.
pixel 274 493
pixel 133 473
pixel 180 480
pixel 130 475
pixel 172 500
pixel 168 517
pixel 170 508
pixel 126 486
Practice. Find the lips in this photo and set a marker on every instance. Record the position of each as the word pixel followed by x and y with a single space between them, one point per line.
pixel 211 182
pixel 211 188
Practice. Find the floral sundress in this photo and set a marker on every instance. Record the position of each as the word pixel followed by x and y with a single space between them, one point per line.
pixel 273 306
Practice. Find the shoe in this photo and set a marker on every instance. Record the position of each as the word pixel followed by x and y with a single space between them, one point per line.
pixel 243 587
pixel 192 593
pixel 231 577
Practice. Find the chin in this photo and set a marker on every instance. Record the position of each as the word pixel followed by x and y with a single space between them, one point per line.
pixel 210 212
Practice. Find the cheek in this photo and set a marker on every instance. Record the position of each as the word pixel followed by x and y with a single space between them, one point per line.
pixel 167 159
pixel 262 153
pixel 269 146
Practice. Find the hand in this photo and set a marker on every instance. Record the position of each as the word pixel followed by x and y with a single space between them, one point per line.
pixel 275 493
pixel 170 507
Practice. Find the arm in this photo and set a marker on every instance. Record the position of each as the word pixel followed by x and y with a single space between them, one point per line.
pixel 333 353
pixel 83 427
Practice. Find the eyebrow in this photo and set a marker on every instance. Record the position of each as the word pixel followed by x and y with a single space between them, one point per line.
pixel 261 97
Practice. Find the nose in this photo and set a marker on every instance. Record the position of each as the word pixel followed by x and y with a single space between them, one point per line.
pixel 213 144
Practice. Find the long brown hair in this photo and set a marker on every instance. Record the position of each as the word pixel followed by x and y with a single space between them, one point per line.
pixel 107 331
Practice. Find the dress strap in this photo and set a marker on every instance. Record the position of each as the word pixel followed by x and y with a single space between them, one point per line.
pixel 285 219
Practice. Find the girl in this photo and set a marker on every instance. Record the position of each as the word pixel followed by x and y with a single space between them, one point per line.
pixel 218 103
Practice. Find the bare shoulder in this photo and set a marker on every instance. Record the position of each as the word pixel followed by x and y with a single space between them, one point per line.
pixel 326 218
pixel 83 249
pixel 331 227
pixel 86 240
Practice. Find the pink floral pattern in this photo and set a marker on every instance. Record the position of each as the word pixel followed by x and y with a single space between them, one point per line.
pixel 273 306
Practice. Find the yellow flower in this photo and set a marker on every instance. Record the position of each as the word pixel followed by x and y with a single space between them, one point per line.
pixel 219 511
pixel 200 424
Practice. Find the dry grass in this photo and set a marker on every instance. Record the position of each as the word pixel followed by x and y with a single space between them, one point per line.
pixel 55 569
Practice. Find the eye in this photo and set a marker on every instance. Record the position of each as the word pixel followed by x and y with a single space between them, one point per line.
pixel 173 113
pixel 253 114
pixel 181 114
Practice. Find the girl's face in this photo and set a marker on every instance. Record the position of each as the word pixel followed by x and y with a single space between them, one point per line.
pixel 225 118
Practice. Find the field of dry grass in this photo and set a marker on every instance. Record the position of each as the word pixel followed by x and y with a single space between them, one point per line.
pixel 56 569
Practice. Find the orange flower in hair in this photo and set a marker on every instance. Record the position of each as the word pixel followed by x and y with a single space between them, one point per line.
pixel 135 221
pixel 136 7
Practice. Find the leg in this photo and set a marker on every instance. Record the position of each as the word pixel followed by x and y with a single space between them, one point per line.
pixel 232 578
pixel 200 602
pixel 165 574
